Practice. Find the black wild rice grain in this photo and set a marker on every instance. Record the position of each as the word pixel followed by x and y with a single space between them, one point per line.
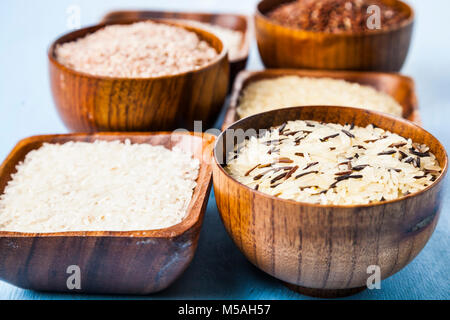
pixel 359 167
pixel 278 177
pixel 310 165
pixel 397 145
pixel 343 173
pixel 307 187
pixel 386 153
pixel 419 154
pixel 291 172
pixel 402 155
pixel 355 176
pixel 351 135
pixel 249 171
pixel 281 128
pixel 305 173
pixel 329 137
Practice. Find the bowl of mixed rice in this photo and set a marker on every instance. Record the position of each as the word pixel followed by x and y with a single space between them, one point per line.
pixel 318 196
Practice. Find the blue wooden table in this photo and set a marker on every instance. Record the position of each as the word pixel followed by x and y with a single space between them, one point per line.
pixel 219 270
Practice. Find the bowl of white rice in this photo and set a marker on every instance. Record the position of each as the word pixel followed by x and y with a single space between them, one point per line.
pixel 121 213
pixel 264 90
pixel 138 75
pixel 321 196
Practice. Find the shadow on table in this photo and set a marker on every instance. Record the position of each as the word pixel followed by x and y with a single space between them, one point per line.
pixel 219 270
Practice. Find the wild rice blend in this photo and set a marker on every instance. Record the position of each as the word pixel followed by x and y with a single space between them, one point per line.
pixel 327 163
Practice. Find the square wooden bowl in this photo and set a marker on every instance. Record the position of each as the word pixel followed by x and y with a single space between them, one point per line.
pixel 235 22
pixel 131 262
pixel 400 87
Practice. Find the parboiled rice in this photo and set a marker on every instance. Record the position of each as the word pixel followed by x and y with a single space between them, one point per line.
pixel 107 186
pixel 329 163
pixel 142 49
pixel 290 91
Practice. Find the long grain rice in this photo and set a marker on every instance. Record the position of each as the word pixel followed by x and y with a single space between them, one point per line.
pixel 292 91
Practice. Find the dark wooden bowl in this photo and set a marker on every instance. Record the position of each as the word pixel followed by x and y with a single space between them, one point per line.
pixel 235 22
pixel 131 262
pixel 377 50
pixel 97 103
pixel 324 250
pixel 400 87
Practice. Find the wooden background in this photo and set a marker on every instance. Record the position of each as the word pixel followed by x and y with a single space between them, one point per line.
pixel 219 270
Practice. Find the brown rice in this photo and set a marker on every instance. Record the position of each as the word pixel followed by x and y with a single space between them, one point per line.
pixel 138 50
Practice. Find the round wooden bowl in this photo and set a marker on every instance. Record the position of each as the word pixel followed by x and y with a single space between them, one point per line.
pixel 377 50
pixel 325 250
pixel 98 103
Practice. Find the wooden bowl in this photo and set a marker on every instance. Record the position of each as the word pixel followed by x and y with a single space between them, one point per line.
pixel 377 50
pixel 231 21
pixel 98 103
pixel 129 262
pixel 400 87
pixel 325 250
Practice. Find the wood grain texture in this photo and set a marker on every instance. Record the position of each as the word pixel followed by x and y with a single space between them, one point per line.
pixel 378 50
pixel 400 87
pixel 89 103
pixel 231 21
pixel 131 262
pixel 326 247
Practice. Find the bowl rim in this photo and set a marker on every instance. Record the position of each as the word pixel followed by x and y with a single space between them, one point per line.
pixel 333 206
pixel 193 213
pixel 407 22
pixel 246 39
pixel 52 58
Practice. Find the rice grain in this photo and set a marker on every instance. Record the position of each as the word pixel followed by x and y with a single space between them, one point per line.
pixel 335 168
pixel 292 91
pixel 138 50
pixel 100 186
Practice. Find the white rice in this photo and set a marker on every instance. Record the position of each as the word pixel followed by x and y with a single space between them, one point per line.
pixel 290 91
pixel 142 49
pixel 232 39
pixel 107 186
pixel 333 164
